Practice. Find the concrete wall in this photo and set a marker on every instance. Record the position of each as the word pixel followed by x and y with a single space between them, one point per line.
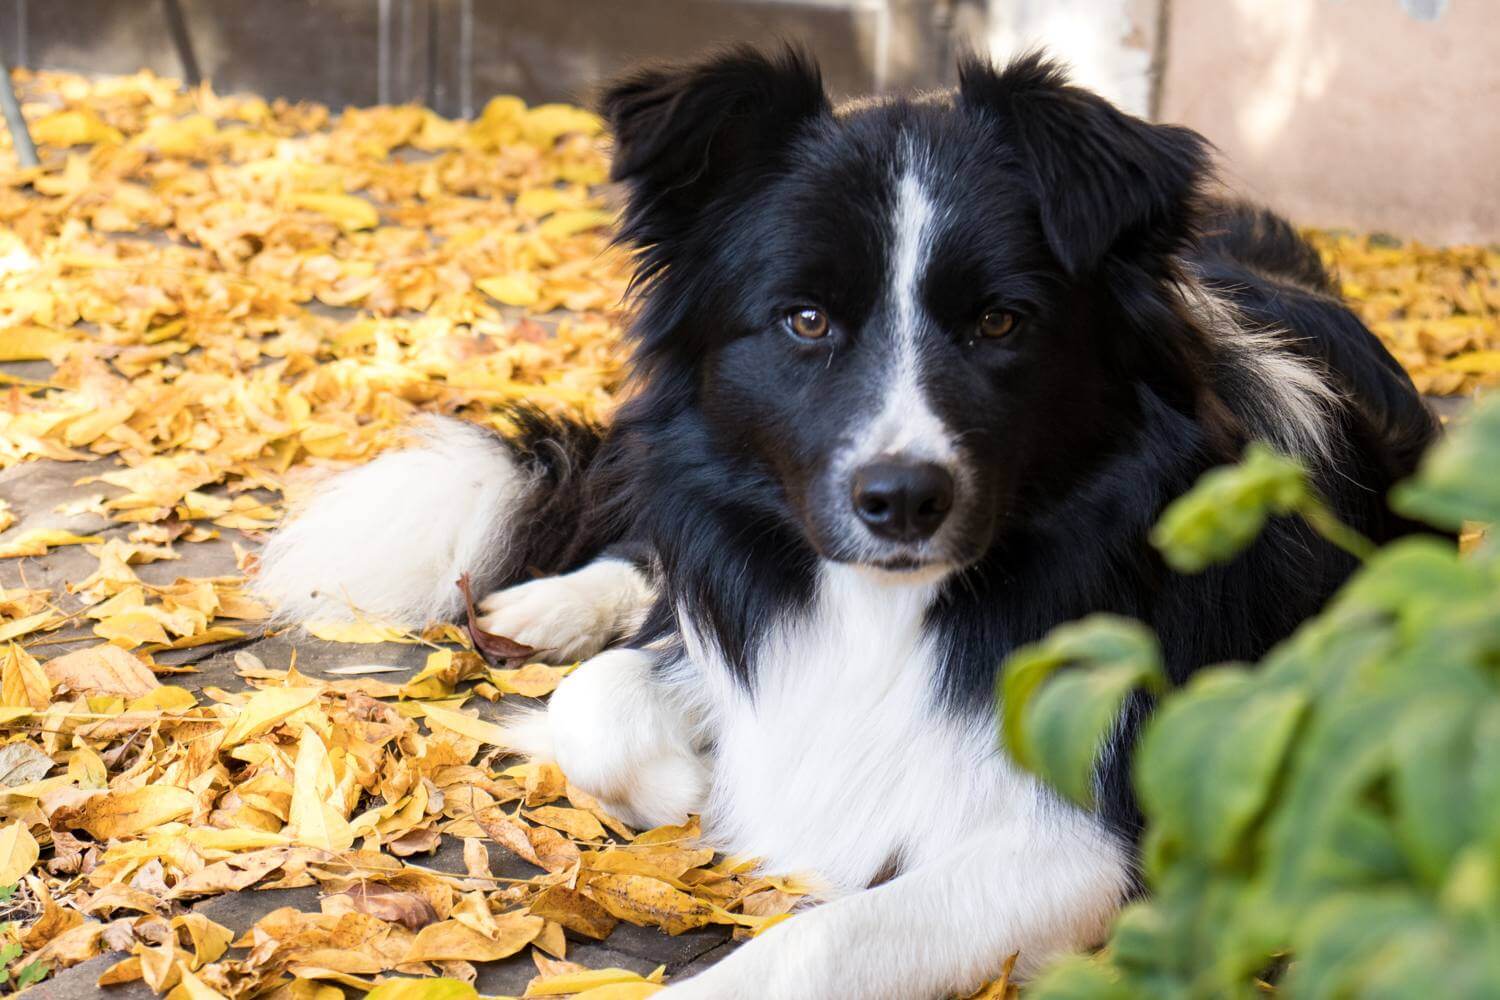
pixel 1364 114
pixel 1369 114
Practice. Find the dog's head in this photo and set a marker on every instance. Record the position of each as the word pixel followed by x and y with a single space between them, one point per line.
pixel 897 319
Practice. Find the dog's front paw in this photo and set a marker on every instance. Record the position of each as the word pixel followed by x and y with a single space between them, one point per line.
pixel 569 617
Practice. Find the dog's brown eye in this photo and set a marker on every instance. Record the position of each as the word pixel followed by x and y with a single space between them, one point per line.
pixel 809 324
pixel 996 323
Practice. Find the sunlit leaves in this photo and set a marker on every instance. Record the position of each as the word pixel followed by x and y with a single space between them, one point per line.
pixel 1436 308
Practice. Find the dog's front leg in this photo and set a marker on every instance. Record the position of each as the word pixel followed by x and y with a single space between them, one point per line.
pixel 575 615
pixel 622 735
pixel 1039 888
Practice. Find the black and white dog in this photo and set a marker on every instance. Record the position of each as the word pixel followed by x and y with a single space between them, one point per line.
pixel 913 380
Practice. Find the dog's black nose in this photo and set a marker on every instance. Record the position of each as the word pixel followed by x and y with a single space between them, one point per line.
pixel 902 501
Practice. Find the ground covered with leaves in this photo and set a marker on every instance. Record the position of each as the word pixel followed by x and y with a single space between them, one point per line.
pixel 207 303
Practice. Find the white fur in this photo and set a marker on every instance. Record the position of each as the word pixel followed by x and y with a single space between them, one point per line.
pixel 1039 888
pixel 842 762
pixel 621 736
pixel 390 539
pixel 906 424
pixel 1293 403
pixel 573 616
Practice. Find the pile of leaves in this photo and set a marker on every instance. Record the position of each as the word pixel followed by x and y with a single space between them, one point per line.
pixel 216 300
pixel 1328 820
pixel 1436 308
pixel 208 303
pixel 146 797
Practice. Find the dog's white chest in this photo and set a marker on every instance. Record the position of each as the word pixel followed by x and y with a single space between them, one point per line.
pixel 842 764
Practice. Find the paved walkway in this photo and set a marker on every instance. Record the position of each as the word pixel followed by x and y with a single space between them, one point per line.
pixel 35 491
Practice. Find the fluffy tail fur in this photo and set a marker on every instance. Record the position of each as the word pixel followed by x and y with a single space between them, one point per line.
pixel 390 539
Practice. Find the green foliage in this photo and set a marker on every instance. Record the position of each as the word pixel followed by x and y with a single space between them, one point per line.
pixel 1056 729
pixel 1340 802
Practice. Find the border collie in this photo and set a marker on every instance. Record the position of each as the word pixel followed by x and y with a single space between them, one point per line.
pixel 913 378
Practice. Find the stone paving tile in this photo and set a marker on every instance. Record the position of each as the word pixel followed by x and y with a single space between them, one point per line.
pixel 674 952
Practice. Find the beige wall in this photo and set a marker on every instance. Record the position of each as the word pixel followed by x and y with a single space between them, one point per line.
pixel 1348 113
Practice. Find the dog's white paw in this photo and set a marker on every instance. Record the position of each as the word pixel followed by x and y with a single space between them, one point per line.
pixel 573 616
pixel 615 737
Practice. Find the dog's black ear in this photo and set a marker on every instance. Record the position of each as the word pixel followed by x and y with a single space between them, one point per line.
pixel 1104 179
pixel 685 132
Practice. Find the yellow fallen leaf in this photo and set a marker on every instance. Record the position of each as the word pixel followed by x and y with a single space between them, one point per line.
pixel 30 343
pixel 467 725
pixel 575 823
pixel 565 224
pixel 350 212
pixel 1475 363
pixel 545 123
pixel 621 991
pixel 25 626
pixel 165 698
pixel 127 813
pixel 589 979
pixel 265 709
pixel 452 941
pixel 23 682
pixel 314 820
pixel 209 939
pixel 539 201
pixel 357 632
pixel 102 669
pixel 519 288
pixel 185 137
pixel 190 987
pixel 73 127
pixel 574 911
pixel 638 899
pixel 18 852
pixel 421 989
pixel 36 543
pixel 132 629
pixel 219 633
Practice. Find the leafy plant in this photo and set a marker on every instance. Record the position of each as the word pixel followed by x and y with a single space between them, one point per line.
pixel 1331 817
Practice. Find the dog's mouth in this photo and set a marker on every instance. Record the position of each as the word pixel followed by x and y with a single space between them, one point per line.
pixel 903 564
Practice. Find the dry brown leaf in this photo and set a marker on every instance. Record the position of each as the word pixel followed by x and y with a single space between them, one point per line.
pixel 409 909
pixel 576 823
pixel 18 852
pixel 314 817
pixel 23 683
pixel 451 940
pixel 21 763
pixel 638 899
pixel 101 670
pixel 573 910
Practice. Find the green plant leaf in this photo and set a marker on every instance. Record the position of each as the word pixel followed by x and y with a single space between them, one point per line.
pixel 1081 978
pixel 1055 727
pixel 1207 764
pixel 1432 785
pixel 1457 480
pixel 1227 508
pixel 30 974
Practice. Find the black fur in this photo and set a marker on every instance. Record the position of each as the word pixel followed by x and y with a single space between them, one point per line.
pixel 748 195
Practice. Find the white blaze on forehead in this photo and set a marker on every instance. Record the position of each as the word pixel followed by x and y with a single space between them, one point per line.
pixel 905 422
